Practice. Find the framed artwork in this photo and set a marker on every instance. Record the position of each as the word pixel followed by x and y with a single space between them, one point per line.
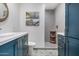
pixel 32 18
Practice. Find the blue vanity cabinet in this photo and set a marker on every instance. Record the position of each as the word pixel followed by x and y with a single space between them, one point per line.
pixel 8 49
pixel 61 45
pixel 16 47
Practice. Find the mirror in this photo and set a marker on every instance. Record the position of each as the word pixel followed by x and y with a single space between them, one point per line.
pixel 3 11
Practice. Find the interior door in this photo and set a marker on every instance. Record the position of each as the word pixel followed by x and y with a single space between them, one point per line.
pixel 72 29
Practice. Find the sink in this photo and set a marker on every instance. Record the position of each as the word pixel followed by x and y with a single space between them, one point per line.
pixel 6 34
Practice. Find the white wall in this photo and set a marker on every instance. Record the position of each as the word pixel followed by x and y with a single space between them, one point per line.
pixel 49 23
pixel 16 17
pixel 60 17
pixel 36 33
pixel 10 23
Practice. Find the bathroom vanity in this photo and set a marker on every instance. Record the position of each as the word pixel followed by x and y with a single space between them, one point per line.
pixel 13 44
pixel 61 44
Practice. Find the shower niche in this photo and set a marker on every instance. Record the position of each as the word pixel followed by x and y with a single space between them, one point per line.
pixel 53 37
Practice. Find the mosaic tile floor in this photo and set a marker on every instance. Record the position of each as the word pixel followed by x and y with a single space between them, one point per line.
pixel 45 52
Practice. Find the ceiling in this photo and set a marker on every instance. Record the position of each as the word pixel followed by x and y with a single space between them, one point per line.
pixel 51 5
pixel 47 5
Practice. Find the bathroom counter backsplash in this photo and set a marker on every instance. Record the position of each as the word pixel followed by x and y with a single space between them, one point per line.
pixel 7 37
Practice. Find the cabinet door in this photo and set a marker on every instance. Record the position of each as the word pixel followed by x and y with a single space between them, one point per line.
pixel 16 47
pixel 20 51
pixel 7 49
pixel 22 47
pixel 25 45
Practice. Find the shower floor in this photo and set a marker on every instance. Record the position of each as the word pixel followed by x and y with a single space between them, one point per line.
pixel 49 50
pixel 45 52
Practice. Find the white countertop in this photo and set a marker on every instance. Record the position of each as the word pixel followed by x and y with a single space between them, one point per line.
pixel 11 36
pixel 61 33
